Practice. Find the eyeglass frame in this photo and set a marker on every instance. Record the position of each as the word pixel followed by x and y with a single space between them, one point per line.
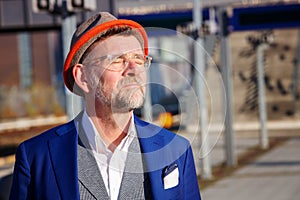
pixel 112 58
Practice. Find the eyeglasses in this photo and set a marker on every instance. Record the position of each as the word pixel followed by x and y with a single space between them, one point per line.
pixel 118 63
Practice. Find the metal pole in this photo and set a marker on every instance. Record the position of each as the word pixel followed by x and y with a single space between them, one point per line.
pixel 24 47
pixel 113 7
pixel 296 76
pixel 227 77
pixel 199 56
pixel 74 102
pixel 264 141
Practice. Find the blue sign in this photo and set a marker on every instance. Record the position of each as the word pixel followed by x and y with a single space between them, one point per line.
pixel 265 17
pixel 165 19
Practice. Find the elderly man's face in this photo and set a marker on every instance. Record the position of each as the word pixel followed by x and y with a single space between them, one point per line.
pixel 113 82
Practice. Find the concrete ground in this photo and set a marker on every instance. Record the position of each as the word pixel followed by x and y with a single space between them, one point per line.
pixel 275 175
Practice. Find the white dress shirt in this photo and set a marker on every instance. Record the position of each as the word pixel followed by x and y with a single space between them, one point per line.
pixel 111 164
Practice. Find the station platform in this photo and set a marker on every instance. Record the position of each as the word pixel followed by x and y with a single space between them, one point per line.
pixel 274 175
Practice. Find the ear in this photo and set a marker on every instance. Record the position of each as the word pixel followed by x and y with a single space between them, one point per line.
pixel 80 77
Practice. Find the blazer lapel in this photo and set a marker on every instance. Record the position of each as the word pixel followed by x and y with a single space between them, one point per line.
pixel 151 143
pixel 89 174
pixel 132 185
pixel 63 153
pixel 88 171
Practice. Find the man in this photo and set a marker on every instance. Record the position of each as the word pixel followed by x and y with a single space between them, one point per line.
pixel 106 152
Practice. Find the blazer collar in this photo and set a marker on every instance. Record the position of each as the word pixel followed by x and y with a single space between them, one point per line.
pixel 149 135
pixel 63 153
pixel 152 143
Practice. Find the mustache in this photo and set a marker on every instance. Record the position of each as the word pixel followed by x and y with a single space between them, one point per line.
pixel 130 80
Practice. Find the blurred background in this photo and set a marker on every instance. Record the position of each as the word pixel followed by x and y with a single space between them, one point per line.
pixel 244 105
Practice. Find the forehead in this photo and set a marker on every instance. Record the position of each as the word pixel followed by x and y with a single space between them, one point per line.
pixel 117 44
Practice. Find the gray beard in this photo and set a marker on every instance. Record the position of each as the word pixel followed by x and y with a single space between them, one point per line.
pixel 128 100
pixel 121 100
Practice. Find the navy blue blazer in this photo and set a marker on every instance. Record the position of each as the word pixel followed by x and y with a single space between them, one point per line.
pixel 46 165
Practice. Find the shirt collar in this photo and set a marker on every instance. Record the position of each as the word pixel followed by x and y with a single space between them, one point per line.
pixel 96 141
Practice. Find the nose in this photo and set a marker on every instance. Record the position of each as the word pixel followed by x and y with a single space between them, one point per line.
pixel 131 68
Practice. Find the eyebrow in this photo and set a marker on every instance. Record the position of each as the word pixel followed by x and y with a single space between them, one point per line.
pixel 117 55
